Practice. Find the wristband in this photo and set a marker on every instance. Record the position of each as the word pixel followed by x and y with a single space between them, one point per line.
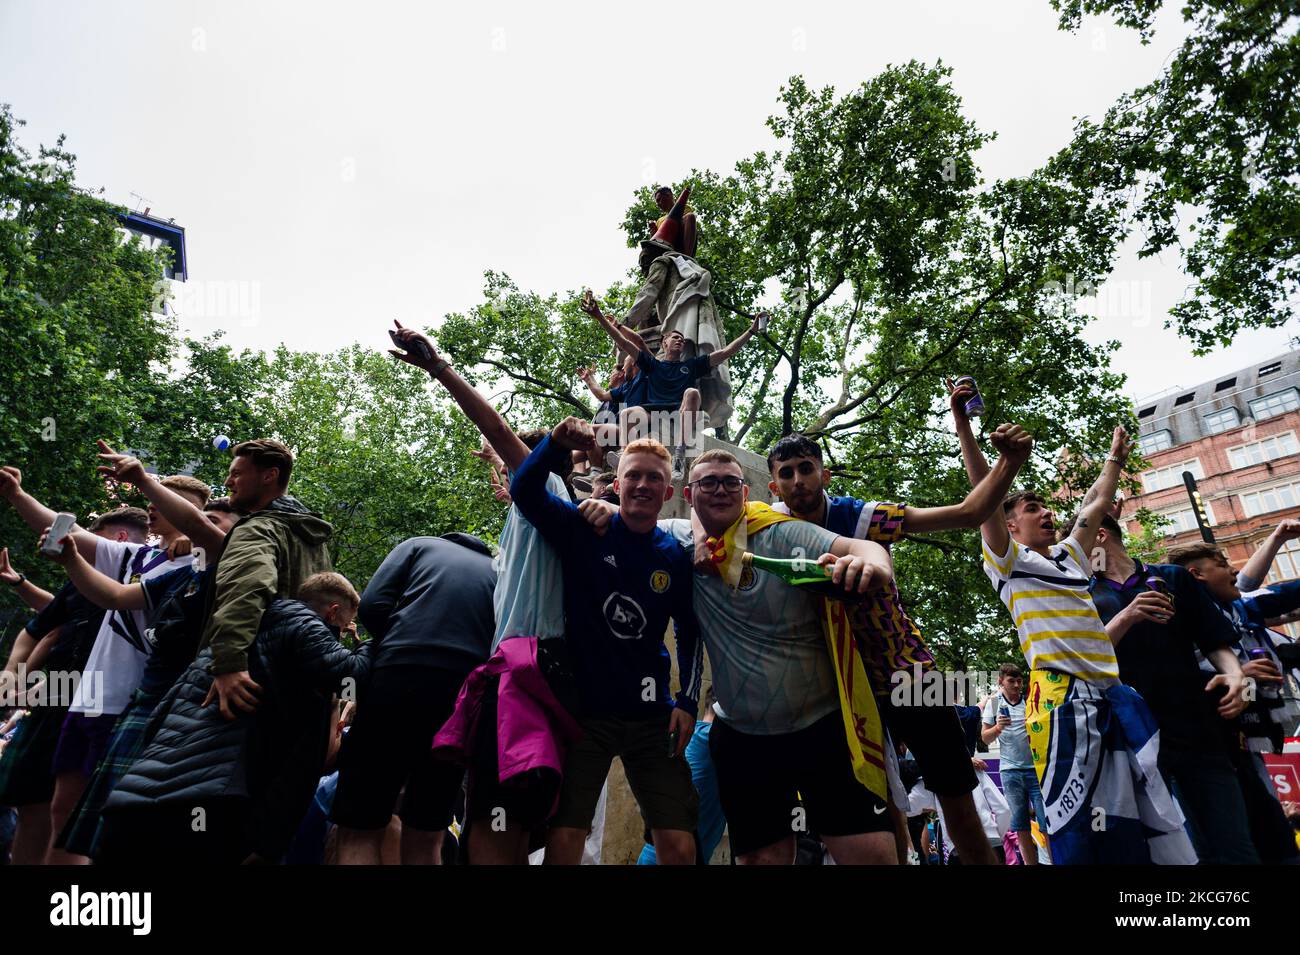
pixel 22 579
pixel 439 367
pixel 1111 457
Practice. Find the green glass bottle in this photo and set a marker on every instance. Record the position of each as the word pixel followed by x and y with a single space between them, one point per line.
pixel 802 573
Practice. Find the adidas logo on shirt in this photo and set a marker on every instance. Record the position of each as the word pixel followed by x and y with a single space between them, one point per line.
pixel 609 559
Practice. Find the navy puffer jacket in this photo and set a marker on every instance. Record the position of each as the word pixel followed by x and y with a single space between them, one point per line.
pixel 273 757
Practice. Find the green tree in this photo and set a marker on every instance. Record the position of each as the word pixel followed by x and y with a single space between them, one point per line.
pixel 82 349
pixel 1207 156
pixel 378 451
pixel 894 265
pixel 532 344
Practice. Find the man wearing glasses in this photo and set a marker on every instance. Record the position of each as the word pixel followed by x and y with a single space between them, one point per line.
pixel 778 745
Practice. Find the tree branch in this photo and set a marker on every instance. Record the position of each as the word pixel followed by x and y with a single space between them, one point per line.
pixel 937 356
pixel 547 390
pixel 944 546
pixel 757 401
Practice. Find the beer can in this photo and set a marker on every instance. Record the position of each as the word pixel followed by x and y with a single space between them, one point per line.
pixel 975 404
pixel 1160 586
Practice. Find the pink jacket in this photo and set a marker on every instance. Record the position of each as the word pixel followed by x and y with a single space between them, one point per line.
pixel 533 729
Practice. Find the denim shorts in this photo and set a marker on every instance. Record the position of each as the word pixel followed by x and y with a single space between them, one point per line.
pixel 1020 786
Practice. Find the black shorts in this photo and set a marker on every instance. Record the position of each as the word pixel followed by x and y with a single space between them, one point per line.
pixel 660 784
pixel 761 780
pixel 390 745
pixel 934 736
pixel 524 803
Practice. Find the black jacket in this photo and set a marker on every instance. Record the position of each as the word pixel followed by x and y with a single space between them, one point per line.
pixel 430 604
pixel 273 757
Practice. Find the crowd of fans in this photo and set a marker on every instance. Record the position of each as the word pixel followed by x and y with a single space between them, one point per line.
pixel 225 709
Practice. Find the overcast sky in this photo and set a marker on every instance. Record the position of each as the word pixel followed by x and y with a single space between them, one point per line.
pixel 342 164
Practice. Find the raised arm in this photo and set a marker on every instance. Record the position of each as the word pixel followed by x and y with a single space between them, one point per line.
pixel 1278 600
pixel 589 379
pixel 184 515
pixel 1252 576
pixel 1099 497
pixel 626 339
pixel 486 418
pixel 558 521
pixel 994 528
pixel 35 597
pixel 985 499
pixel 33 513
pixel 101 590
pixel 634 339
pixel 717 357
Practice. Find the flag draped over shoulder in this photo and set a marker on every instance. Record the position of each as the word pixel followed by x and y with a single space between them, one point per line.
pixel 1095 752
pixel 862 725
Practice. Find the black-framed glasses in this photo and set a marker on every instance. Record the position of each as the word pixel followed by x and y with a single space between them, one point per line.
pixel 710 484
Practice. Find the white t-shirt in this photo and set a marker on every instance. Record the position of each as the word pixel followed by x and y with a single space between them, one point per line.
pixel 117 659
pixel 1013 742
pixel 1053 610
pixel 529 596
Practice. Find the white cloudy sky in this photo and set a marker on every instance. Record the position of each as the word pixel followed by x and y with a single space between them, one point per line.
pixel 355 162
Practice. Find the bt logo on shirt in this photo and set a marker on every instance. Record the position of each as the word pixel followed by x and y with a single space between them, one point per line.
pixel 624 616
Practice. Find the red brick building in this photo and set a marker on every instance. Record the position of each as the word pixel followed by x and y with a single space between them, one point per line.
pixel 1239 435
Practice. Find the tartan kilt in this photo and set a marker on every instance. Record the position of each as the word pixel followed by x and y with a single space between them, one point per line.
pixel 27 763
pixel 78 835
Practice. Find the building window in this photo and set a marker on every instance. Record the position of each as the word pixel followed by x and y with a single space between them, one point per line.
pixel 1277 403
pixel 1273 447
pixel 1156 441
pixel 1161 478
pixel 1219 421
pixel 1286 565
pixel 1270 499
pixel 1185 519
